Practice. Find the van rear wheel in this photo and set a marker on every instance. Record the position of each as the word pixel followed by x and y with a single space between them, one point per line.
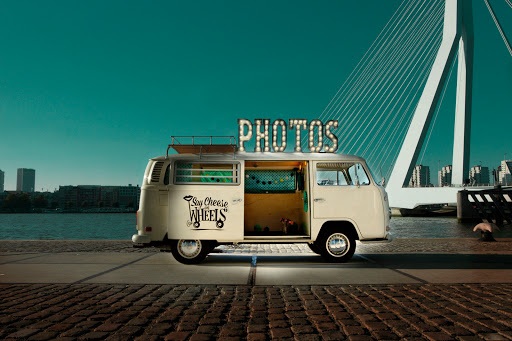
pixel 191 251
pixel 337 246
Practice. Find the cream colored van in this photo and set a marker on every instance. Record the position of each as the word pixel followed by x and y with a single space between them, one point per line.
pixel 210 195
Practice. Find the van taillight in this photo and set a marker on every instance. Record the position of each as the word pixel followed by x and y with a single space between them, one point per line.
pixel 148 228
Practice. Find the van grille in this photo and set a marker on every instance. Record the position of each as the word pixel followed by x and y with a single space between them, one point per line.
pixel 157 169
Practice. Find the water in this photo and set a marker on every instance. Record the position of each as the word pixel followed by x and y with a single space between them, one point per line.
pixel 439 227
pixel 67 226
pixel 122 226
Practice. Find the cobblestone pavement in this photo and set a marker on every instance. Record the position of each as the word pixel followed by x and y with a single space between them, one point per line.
pixel 177 312
pixel 445 245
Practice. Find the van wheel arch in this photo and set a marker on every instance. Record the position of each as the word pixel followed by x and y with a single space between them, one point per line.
pixel 341 225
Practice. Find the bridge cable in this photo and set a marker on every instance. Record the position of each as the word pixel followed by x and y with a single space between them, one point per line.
pixel 380 120
pixel 362 82
pixel 498 26
pixel 396 58
pixel 402 133
pixel 391 79
pixel 373 54
pixel 389 147
pixel 509 3
pixel 413 61
pixel 439 107
pixel 416 76
pixel 376 80
pixel 356 77
pixel 402 104
pixel 369 77
pixel 358 64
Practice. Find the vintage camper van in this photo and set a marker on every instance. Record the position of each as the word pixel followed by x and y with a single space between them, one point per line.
pixel 208 195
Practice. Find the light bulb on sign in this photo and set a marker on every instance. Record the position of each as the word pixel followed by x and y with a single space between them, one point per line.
pixel 262 135
pixel 298 125
pixel 276 125
pixel 244 137
pixel 330 124
pixel 312 125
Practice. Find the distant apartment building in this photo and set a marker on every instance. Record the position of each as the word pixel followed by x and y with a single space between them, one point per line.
pixel 479 176
pixel 110 196
pixel 26 180
pixel 420 177
pixel 87 196
pixel 2 177
pixel 129 196
pixel 444 176
pixel 505 173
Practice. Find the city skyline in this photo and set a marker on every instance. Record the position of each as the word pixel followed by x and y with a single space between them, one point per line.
pixel 107 96
pixel 443 177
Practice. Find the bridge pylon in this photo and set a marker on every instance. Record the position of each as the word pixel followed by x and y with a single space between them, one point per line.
pixel 457 38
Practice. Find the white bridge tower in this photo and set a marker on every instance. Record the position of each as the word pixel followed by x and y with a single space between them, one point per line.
pixel 457 36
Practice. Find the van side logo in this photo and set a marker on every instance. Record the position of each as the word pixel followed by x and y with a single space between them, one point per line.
pixel 206 210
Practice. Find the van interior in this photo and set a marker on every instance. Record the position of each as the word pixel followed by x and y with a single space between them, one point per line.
pixel 276 200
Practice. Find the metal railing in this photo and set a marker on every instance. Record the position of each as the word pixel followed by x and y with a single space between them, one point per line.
pixel 193 139
pixel 490 205
pixel 203 144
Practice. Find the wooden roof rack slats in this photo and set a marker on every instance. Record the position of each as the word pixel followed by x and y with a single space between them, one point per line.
pixel 203 144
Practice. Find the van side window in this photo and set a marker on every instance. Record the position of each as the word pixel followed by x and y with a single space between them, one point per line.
pixel 341 174
pixel 206 173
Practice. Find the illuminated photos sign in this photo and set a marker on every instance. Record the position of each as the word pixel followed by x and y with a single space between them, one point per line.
pixel 260 129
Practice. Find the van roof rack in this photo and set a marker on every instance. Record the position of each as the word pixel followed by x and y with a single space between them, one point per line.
pixel 203 144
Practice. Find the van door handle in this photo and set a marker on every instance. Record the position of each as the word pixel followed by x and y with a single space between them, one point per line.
pixel 319 199
pixel 237 200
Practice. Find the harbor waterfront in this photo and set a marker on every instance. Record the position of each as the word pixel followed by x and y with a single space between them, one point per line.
pixel 122 226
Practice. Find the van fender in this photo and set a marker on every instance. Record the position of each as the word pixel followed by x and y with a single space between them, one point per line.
pixel 347 225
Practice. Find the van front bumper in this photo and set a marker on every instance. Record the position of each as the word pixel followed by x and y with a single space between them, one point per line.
pixel 387 239
pixel 141 239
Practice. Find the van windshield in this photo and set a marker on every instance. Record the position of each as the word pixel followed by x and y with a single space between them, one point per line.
pixel 341 174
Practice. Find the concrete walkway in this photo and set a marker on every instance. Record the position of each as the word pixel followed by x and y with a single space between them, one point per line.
pixel 414 261
pixel 236 269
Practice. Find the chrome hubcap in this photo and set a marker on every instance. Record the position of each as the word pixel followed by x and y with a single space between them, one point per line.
pixel 189 248
pixel 337 244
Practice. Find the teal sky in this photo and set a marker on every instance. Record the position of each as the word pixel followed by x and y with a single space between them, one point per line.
pixel 90 90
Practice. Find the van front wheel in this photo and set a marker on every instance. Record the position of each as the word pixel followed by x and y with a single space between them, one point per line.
pixel 190 251
pixel 337 246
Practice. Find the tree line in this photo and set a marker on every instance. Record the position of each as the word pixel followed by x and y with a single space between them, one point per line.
pixel 21 202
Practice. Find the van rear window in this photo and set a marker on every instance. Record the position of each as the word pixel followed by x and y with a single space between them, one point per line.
pixel 206 173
